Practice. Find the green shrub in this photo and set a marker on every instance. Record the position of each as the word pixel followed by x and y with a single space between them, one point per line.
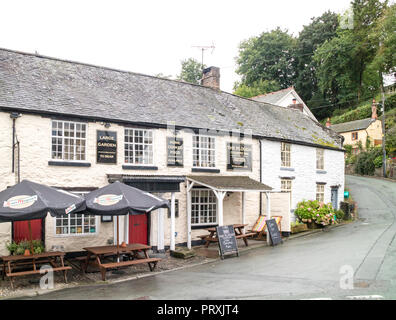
pixel 340 214
pixel 390 102
pixel 378 162
pixel 19 248
pixel 314 211
pixel 366 161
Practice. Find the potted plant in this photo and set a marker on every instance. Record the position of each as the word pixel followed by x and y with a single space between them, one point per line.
pixel 315 214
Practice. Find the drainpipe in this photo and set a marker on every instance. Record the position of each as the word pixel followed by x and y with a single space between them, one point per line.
pixel 13 116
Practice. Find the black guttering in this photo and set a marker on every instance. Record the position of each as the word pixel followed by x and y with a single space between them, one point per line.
pixel 152 125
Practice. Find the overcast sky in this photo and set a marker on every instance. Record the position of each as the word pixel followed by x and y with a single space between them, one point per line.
pixel 150 36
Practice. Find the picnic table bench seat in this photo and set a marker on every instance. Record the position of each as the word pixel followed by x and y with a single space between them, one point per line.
pixel 25 273
pixel 131 250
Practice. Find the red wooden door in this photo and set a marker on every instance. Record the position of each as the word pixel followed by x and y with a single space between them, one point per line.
pixel 138 228
pixel 21 230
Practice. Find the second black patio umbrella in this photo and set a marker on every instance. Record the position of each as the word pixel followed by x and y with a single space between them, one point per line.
pixel 28 200
pixel 120 199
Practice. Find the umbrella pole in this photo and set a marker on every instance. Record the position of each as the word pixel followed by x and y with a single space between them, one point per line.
pixel 118 236
pixel 31 237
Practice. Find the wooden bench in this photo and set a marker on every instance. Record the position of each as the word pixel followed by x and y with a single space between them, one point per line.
pixel 152 262
pixel 215 239
pixel 30 272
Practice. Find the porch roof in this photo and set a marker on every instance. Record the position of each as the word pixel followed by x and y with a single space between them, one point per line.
pixel 230 183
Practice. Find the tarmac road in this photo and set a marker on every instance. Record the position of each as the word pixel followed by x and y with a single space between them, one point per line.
pixel 304 268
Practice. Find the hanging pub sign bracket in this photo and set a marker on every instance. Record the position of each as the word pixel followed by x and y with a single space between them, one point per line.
pixel 227 241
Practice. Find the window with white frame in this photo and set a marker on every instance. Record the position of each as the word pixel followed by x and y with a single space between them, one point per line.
pixel 75 223
pixel 319 159
pixel 138 146
pixel 320 192
pixel 286 186
pixel 68 140
pixel 285 154
pixel 203 207
pixel 204 151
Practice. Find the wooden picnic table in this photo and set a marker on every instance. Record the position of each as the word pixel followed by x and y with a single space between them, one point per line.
pixel 131 250
pixel 33 261
pixel 239 234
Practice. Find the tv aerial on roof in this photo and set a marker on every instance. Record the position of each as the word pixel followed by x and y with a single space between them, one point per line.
pixel 203 48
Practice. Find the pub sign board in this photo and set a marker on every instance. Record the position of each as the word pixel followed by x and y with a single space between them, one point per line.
pixel 239 157
pixel 227 240
pixel 175 150
pixel 106 146
pixel 273 231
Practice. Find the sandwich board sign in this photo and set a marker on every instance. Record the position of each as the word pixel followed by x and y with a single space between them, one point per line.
pixel 273 232
pixel 227 241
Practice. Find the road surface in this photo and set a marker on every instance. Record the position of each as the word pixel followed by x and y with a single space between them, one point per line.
pixel 309 267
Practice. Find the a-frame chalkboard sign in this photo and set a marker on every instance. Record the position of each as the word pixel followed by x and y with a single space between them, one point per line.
pixel 273 232
pixel 227 241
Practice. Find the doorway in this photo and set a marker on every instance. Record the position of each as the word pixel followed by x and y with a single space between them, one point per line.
pixel 138 228
pixel 334 198
pixel 21 230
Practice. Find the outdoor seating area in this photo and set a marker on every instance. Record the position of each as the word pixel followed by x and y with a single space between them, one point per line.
pixel 27 200
pixel 239 234
pixel 130 250
pixel 31 264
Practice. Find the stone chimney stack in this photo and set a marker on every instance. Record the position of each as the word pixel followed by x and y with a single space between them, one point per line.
pixel 211 78
pixel 374 111
pixel 328 123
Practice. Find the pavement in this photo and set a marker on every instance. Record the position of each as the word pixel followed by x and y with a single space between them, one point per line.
pixel 352 261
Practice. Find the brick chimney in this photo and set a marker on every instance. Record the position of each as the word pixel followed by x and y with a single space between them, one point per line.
pixel 374 111
pixel 211 78
pixel 295 105
pixel 328 123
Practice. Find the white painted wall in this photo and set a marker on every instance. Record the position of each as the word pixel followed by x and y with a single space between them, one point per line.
pixel 303 169
pixel 34 134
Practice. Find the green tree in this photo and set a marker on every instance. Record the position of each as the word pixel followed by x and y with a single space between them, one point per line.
pixel 191 71
pixel 312 36
pixel 257 88
pixel 267 57
pixel 344 73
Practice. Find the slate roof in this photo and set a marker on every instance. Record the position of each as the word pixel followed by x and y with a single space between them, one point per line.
pixel 273 97
pixel 228 183
pixel 352 125
pixel 47 85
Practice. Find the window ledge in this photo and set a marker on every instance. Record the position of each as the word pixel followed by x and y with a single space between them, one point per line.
pixel 321 171
pixel 287 169
pixel 205 226
pixel 212 170
pixel 137 167
pixel 68 163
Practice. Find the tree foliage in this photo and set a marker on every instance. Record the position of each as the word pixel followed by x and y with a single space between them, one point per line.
pixel 191 71
pixel 312 36
pixel 257 88
pixel 332 64
pixel 267 57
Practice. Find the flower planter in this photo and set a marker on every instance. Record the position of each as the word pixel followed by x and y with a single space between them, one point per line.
pixel 299 228
pixel 313 225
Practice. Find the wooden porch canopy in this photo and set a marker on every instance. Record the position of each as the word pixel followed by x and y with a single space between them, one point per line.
pixel 220 185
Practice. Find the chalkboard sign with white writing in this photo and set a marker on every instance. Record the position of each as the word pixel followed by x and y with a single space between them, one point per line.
pixel 273 231
pixel 227 241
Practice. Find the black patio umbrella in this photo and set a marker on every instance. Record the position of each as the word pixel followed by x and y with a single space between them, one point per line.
pixel 120 199
pixel 28 200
